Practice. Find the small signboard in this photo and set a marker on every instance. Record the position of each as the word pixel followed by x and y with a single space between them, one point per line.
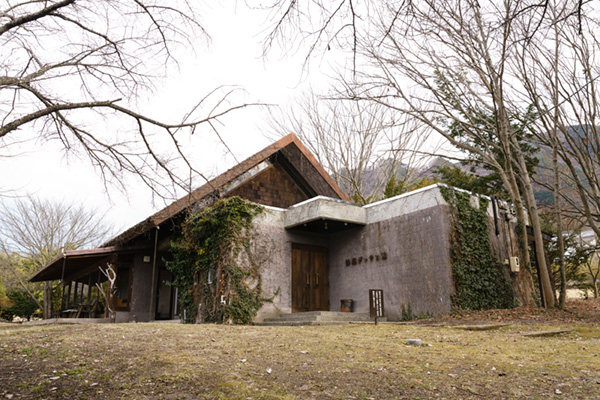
pixel 376 303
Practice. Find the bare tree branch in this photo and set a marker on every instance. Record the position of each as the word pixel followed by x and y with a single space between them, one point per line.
pixel 71 69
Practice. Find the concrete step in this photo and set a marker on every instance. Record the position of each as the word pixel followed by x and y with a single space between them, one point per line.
pixel 323 316
pixel 319 318
pixel 302 323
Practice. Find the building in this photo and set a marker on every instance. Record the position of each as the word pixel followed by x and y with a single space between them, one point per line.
pixel 323 248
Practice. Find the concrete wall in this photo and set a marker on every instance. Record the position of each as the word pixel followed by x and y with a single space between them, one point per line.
pixel 407 256
pixel 403 250
pixel 273 249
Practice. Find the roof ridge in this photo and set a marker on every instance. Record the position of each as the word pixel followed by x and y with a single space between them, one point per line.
pixel 219 181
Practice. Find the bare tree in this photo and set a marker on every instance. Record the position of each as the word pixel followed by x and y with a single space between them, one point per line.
pixel 39 230
pixel 72 70
pixel 565 92
pixel 592 269
pixel 319 25
pixel 111 290
pixel 445 66
pixel 360 143
pixel 559 69
pixel 449 65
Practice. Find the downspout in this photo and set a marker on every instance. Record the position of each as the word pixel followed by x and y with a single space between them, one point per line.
pixel 150 315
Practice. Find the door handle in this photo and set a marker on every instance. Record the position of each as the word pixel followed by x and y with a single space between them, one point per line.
pixel 317 279
pixel 307 276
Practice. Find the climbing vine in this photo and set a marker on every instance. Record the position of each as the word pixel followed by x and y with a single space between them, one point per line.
pixel 214 266
pixel 479 280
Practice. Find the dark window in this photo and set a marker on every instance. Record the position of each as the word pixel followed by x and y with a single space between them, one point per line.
pixel 123 289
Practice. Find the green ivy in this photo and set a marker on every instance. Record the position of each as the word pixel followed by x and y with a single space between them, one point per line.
pixel 479 279
pixel 206 264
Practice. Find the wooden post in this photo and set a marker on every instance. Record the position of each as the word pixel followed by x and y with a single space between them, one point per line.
pixel 89 293
pixel 151 314
pixel 68 302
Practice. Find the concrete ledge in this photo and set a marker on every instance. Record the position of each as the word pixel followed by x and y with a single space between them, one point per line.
pixel 324 208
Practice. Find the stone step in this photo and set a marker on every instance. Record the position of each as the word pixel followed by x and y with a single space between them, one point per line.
pixel 323 316
pixel 319 318
pixel 302 323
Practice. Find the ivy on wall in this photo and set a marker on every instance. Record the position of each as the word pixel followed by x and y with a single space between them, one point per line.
pixel 479 279
pixel 213 265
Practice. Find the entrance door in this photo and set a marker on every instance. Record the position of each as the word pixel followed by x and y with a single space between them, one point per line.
pixel 164 295
pixel 310 278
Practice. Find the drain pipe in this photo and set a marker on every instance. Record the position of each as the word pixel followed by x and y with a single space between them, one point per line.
pixel 150 315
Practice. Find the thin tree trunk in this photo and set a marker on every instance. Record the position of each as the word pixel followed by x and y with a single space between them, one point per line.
pixel 547 289
pixel 561 242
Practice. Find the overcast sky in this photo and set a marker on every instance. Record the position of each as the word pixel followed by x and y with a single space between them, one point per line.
pixel 232 58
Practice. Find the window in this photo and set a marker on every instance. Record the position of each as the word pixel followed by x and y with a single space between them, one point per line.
pixel 123 288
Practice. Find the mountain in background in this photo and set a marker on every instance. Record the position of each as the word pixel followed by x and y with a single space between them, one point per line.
pixel 374 179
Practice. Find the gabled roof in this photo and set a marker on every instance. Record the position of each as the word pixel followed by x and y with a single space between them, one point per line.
pixel 301 160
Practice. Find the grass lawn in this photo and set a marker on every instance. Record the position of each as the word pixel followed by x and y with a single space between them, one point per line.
pixel 173 361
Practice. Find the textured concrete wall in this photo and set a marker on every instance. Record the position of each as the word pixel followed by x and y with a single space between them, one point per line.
pixel 273 247
pixel 407 256
pixel 404 250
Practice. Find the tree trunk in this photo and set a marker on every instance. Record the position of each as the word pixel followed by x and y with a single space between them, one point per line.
pixel 508 177
pixel 561 242
pixel 557 209
pixel 547 289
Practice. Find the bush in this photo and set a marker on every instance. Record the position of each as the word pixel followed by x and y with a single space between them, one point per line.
pixel 4 300
pixel 22 306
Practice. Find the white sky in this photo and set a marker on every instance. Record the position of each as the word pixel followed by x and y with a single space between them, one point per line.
pixel 233 58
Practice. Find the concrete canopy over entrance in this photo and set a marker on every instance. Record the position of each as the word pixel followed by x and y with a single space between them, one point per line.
pixel 325 215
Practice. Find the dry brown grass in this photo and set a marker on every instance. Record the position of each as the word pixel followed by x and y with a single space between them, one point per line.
pixel 171 361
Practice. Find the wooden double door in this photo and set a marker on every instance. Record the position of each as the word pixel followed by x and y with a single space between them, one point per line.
pixel 310 278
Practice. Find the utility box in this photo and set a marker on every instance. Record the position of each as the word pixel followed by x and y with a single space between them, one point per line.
pixel 514 264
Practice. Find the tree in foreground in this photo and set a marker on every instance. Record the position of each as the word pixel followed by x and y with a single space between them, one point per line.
pixel 34 232
pixel 73 70
pixel 446 66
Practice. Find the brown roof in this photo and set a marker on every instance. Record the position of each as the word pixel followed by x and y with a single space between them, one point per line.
pixel 289 146
pixel 72 261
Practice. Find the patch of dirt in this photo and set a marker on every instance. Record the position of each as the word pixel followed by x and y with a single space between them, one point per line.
pixel 576 310
pixel 172 361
